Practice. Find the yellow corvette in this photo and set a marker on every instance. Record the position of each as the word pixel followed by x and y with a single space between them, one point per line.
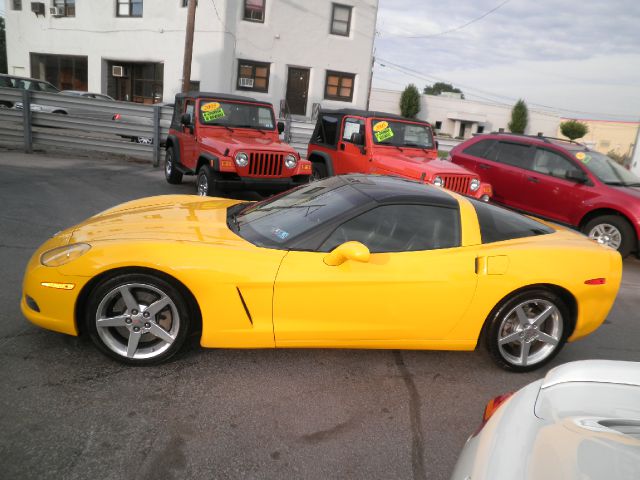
pixel 353 262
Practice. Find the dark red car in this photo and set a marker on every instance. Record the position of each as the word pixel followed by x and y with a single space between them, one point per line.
pixel 230 143
pixel 559 180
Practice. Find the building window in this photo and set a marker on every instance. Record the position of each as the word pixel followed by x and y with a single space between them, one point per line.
pixel 66 72
pixel 69 7
pixel 185 3
pixel 480 129
pixel 339 86
pixel 194 85
pixel 438 125
pixel 129 8
pixel 341 20
pixel 16 4
pixel 254 10
pixel 253 76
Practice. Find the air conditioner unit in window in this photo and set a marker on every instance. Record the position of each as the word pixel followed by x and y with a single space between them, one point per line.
pixel 117 71
pixel 246 82
pixel 57 11
pixel 37 8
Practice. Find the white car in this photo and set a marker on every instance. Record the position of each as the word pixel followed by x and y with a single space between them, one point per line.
pixel 581 421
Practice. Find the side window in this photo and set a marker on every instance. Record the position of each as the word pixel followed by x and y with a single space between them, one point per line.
pixel 351 126
pixel 479 149
pixel 497 223
pixel 514 154
pixel 551 163
pixel 327 130
pixel 190 109
pixel 400 228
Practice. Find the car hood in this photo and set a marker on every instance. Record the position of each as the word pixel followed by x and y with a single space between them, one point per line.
pixel 418 163
pixel 241 141
pixel 167 217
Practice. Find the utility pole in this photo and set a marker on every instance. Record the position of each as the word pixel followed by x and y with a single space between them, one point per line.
pixel 188 46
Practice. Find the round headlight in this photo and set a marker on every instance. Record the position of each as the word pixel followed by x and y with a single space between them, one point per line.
pixel 242 159
pixel 438 182
pixel 61 255
pixel 290 161
pixel 475 184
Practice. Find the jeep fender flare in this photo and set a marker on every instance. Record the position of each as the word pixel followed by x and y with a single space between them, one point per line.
pixel 207 158
pixel 173 141
pixel 324 158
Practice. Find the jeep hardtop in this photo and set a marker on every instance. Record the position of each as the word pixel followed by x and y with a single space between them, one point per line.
pixel 230 142
pixel 359 141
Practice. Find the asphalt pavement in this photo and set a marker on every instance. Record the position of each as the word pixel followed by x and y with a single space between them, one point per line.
pixel 68 412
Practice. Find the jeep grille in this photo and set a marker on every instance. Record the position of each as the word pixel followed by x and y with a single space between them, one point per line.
pixel 456 183
pixel 265 164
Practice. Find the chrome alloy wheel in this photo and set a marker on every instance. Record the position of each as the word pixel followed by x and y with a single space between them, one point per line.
pixel 203 185
pixel 530 332
pixel 168 164
pixel 606 234
pixel 137 321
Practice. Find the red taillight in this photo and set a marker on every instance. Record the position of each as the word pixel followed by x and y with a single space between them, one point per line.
pixel 596 281
pixel 491 408
pixel 116 116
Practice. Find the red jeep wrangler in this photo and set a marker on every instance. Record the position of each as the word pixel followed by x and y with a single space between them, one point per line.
pixel 357 141
pixel 230 143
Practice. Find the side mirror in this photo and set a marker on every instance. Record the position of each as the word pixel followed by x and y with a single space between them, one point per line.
pixel 355 251
pixel 280 126
pixel 357 138
pixel 185 119
pixel 577 176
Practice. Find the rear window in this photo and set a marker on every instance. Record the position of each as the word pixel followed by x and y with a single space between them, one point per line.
pixel 326 130
pixel 498 224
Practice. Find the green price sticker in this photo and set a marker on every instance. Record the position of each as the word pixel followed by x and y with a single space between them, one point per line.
pixel 214 115
pixel 382 135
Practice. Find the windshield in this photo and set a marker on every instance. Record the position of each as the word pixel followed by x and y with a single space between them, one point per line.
pixel 401 134
pixel 606 169
pixel 284 217
pixel 239 115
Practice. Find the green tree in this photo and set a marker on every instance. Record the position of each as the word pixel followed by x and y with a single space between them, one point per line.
pixel 519 117
pixel 3 48
pixel 439 87
pixel 410 101
pixel 573 129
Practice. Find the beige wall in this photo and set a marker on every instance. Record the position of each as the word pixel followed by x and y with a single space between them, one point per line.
pixel 605 135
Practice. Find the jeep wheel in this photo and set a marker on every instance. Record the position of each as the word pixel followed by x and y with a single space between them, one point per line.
pixel 318 171
pixel 613 231
pixel 206 183
pixel 171 173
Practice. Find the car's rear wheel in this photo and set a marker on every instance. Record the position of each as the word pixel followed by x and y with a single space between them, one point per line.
pixel 318 171
pixel 611 230
pixel 171 173
pixel 138 319
pixel 527 330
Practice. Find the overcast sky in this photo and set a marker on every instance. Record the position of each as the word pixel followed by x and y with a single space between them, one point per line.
pixel 581 57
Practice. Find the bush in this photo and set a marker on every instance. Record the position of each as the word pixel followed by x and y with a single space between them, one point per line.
pixel 410 101
pixel 519 117
pixel 573 129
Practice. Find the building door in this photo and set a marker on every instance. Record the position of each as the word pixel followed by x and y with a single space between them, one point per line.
pixel 135 82
pixel 297 90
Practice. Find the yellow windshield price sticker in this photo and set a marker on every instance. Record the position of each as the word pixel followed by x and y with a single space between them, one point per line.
pixel 210 107
pixel 215 115
pixel 580 155
pixel 384 134
pixel 378 127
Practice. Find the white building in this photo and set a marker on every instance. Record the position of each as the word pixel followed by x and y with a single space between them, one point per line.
pixel 306 52
pixel 461 118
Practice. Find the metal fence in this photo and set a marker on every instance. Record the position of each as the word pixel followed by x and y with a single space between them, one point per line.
pixel 36 120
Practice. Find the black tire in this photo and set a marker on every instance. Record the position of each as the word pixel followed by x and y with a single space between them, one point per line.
pixel 207 182
pixel 318 171
pixel 505 322
pixel 160 335
pixel 171 173
pixel 606 228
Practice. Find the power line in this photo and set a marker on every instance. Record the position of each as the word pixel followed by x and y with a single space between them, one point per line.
pixel 455 29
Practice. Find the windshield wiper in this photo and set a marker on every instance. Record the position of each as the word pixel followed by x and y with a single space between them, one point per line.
pixel 253 127
pixel 632 184
pixel 415 145
pixel 387 144
pixel 616 184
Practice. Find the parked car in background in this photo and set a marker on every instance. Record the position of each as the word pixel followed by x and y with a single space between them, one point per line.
pixel 581 421
pixel 230 142
pixel 80 93
pixel 352 261
pixel 358 141
pixel 559 180
pixel 32 84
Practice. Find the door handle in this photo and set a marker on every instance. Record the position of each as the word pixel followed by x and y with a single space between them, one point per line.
pixel 342 146
pixel 484 166
pixel 533 179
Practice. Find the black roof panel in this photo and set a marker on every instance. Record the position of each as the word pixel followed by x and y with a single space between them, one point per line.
pixel 370 114
pixel 221 96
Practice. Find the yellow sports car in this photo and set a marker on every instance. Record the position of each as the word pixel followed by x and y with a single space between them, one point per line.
pixel 354 262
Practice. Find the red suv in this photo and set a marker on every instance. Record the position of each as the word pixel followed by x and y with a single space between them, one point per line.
pixel 230 142
pixel 357 141
pixel 560 180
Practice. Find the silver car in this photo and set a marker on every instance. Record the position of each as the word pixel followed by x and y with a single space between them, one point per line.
pixel 581 421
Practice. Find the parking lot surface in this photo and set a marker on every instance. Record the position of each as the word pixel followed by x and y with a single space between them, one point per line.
pixel 66 411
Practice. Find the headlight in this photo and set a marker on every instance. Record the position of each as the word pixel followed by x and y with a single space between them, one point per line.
pixel 290 161
pixel 242 160
pixel 438 182
pixel 475 184
pixel 62 255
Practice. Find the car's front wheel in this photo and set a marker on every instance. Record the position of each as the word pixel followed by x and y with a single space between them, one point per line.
pixel 318 171
pixel 206 183
pixel 611 230
pixel 171 173
pixel 138 319
pixel 527 330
